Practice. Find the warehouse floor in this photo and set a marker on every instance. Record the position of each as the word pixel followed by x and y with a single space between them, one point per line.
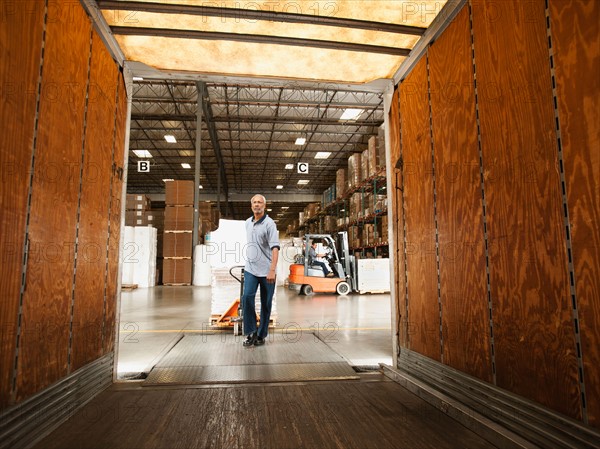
pixel 152 320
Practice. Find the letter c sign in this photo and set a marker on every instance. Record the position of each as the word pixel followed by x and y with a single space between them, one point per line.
pixel 303 168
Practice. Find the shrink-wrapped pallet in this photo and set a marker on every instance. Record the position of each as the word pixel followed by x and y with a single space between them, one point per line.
pixel 202 270
pixel 353 171
pixel 227 248
pixel 139 256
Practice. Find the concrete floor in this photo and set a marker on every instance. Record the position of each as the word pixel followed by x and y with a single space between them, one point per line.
pixel 358 327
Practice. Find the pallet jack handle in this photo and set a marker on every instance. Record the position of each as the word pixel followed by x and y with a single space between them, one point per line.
pixel 238 322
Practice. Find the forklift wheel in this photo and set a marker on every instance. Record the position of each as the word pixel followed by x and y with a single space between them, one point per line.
pixel 343 288
pixel 306 289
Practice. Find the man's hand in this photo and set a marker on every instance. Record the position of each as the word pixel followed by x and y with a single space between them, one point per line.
pixel 271 276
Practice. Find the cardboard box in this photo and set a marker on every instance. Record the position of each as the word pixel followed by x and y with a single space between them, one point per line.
pixel 177 271
pixel 364 165
pixel 330 224
pixel 177 244
pixel 381 148
pixel 374 163
pixel 142 218
pixel 384 229
pixel 179 218
pixel 340 182
pixel 137 202
pixel 179 193
pixel 311 210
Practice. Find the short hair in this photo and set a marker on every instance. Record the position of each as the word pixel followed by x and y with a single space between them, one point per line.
pixel 262 196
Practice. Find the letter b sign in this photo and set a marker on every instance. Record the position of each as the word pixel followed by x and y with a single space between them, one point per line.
pixel 144 166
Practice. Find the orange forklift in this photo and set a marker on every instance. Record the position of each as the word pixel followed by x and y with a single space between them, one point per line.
pixel 309 278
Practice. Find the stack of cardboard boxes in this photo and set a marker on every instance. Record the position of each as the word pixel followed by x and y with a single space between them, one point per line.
pixel 177 237
pixel 138 211
pixel 208 219
pixel 340 182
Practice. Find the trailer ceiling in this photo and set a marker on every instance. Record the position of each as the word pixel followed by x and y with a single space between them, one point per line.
pixel 271 72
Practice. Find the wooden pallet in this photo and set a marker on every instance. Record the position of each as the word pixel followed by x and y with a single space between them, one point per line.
pixel 173 284
pixel 129 287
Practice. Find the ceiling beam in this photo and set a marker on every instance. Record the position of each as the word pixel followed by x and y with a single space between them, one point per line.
pixel 259 119
pixel 245 198
pixel 204 102
pixel 286 103
pixel 253 15
pixel 259 38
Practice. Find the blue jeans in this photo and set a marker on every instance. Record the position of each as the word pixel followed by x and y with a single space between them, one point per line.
pixel 322 265
pixel 267 289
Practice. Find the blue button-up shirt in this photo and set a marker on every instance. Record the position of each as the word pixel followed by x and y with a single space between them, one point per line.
pixel 262 236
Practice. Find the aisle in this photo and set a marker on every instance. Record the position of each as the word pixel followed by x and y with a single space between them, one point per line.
pixel 153 320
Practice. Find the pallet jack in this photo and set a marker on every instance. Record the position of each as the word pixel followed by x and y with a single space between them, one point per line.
pixel 233 316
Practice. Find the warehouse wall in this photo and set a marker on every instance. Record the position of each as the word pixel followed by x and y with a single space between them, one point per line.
pixel 497 130
pixel 63 118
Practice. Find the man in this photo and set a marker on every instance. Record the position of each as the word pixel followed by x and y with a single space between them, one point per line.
pixel 261 266
pixel 312 259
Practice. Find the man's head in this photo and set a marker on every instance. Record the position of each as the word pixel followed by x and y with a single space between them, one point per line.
pixel 258 204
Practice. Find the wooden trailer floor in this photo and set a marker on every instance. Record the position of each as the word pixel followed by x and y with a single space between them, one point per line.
pixel 371 412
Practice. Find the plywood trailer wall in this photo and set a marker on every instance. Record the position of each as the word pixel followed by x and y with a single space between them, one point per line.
pixel 421 260
pixel 19 74
pixel 575 38
pixel 59 117
pixel 397 223
pixel 92 237
pixel 461 246
pixel 499 136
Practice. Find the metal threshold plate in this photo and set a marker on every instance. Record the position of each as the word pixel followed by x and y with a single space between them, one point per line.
pixel 221 358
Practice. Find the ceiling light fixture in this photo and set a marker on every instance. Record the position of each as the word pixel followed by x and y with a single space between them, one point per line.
pixel 142 153
pixel 322 154
pixel 279 187
pixel 303 181
pixel 200 187
pixel 168 179
pixel 185 165
pixel 170 139
pixel 289 166
pixel 300 141
pixel 351 114
pixel 138 78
